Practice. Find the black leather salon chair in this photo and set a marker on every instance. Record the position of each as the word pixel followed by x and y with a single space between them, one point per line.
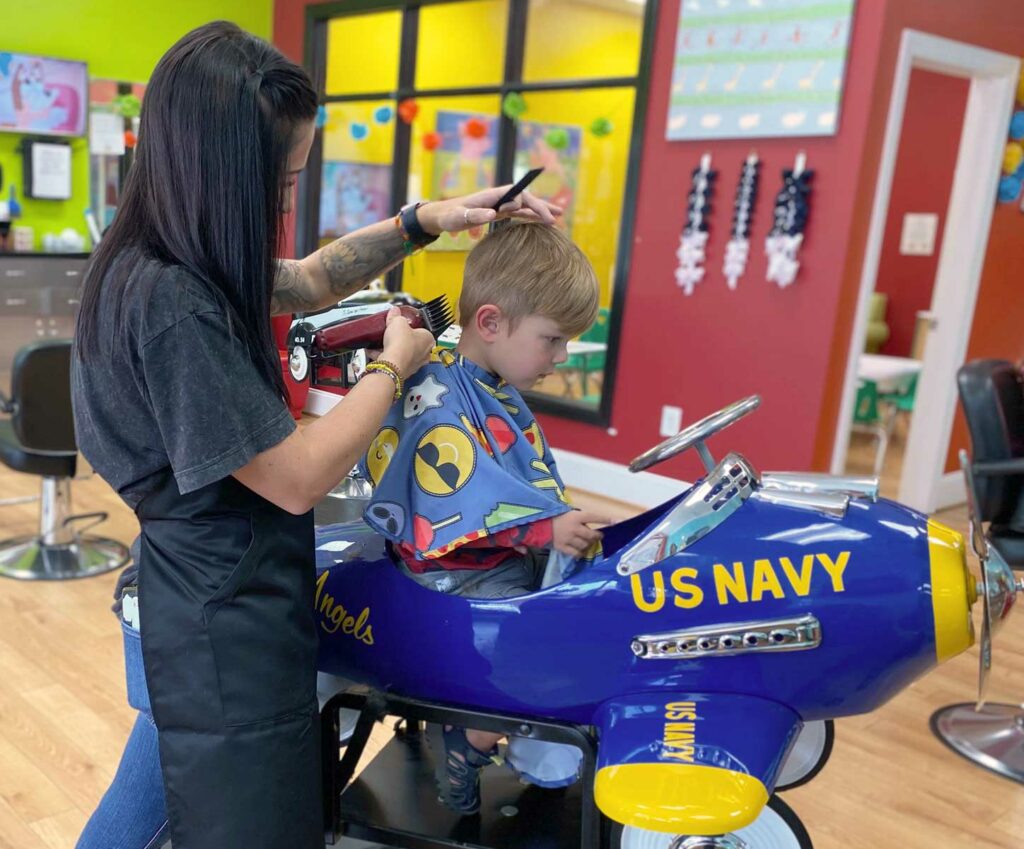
pixel 992 398
pixel 37 437
pixel 991 735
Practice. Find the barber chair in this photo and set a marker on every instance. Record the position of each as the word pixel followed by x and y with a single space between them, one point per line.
pixel 38 438
pixel 992 397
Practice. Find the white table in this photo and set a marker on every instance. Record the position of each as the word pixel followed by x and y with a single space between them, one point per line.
pixel 889 374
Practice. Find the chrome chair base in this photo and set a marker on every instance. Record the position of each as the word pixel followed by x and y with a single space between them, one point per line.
pixel 992 737
pixel 30 559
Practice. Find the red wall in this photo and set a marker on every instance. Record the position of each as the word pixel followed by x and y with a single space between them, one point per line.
pixel 922 182
pixel 999 315
pixel 789 345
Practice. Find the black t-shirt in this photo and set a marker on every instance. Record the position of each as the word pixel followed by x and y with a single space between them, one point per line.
pixel 171 388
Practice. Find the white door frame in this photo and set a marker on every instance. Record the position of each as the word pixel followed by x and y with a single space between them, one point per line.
pixel 990 101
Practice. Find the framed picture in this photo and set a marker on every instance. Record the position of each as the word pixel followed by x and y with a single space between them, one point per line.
pixel 352 195
pixel 43 96
pixel 773 68
pixel 463 165
pixel 558 184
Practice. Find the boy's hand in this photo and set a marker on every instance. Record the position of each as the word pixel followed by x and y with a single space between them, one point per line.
pixel 409 349
pixel 571 534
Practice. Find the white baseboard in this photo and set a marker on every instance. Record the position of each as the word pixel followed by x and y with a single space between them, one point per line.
pixel 611 480
pixel 590 474
pixel 950 491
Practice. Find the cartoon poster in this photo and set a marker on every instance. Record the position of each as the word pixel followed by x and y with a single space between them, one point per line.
pixel 352 195
pixel 39 95
pixel 464 164
pixel 758 68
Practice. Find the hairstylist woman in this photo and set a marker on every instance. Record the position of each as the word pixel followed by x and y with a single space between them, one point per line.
pixel 179 406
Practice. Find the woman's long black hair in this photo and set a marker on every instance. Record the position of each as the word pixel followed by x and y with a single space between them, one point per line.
pixel 221 115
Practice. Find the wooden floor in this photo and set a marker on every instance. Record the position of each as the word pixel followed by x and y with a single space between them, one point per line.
pixel 63 721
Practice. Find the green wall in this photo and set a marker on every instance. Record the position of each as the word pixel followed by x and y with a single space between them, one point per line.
pixel 120 40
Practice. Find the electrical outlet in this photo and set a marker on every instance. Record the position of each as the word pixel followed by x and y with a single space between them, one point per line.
pixel 671 421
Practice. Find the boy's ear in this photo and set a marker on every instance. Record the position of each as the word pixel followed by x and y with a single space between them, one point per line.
pixel 487 322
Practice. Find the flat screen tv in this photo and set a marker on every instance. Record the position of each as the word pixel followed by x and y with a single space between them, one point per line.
pixel 43 96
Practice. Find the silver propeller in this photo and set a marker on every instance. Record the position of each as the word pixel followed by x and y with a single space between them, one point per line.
pixel 999 586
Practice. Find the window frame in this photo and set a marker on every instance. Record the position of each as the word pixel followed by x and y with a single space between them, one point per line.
pixel 307 215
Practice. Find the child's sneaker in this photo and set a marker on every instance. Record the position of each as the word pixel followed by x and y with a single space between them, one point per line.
pixel 457 767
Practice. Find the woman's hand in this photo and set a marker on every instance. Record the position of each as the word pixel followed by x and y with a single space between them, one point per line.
pixel 407 348
pixel 451 216
pixel 571 534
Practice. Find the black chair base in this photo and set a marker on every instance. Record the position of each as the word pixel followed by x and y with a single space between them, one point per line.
pixel 992 737
pixel 30 559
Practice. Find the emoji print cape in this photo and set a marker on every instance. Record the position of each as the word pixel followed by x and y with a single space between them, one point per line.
pixel 460 457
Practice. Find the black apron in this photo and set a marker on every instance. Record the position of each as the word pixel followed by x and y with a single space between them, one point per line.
pixel 229 642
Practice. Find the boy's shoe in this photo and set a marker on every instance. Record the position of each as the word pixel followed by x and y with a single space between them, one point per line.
pixel 457 767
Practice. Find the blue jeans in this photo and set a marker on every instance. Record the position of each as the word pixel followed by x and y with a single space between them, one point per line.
pixel 132 813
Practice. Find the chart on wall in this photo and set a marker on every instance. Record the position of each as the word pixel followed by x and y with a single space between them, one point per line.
pixel 465 162
pixel 352 195
pixel 758 68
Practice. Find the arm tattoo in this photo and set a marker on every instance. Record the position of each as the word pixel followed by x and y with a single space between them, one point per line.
pixel 346 265
pixel 354 260
pixel 292 290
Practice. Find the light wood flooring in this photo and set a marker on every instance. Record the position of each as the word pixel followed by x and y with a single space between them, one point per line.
pixel 63 721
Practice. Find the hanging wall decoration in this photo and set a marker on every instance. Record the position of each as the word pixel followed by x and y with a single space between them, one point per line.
pixel 758 69
pixel 601 127
pixel 408 109
pixel 738 248
pixel 790 218
pixel 694 239
pixel 383 114
pixel 1012 179
pixel 513 106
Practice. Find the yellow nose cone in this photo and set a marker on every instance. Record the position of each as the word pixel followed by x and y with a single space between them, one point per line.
pixel 953 591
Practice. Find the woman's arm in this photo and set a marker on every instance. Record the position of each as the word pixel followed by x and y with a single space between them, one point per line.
pixel 300 470
pixel 348 264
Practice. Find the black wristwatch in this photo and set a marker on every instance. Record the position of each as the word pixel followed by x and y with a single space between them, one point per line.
pixel 412 228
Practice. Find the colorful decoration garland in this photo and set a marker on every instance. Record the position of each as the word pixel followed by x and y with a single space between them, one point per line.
pixel 737 250
pixel 694 239
pixel 1012 180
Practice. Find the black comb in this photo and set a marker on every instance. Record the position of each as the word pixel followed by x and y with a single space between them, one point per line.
pixel 437 315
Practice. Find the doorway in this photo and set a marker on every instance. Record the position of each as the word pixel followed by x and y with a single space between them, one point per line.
pixel 991 80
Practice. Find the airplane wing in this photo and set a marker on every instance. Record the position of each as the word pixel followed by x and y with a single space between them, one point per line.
pixel 690 763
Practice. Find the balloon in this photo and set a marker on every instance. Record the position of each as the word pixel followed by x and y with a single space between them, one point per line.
pixel 1017 125
pixel 1009 189
pixel 321 116
pixel 431 141
pixel 383 114
pixel 359 131
pixel 513 105
pixel 601 127
pixel 557 138
pixel 1012 158
pixel 408 109
pixel 475 128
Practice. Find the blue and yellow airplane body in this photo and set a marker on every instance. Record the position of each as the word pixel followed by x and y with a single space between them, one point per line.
pixel 691 737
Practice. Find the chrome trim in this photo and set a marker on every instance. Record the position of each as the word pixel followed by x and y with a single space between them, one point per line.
pixel 721 841
pixel 775 635
pixel 815 482
pixel 832 504
pixel 705 507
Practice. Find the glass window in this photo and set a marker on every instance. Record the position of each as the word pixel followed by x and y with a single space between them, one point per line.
pixel 581 138
pixel 567 40
pixel 355 177
pixel 461 44
pixel 363 53
pixel 454 152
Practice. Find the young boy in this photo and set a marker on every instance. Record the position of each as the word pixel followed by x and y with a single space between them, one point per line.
pixel 466 488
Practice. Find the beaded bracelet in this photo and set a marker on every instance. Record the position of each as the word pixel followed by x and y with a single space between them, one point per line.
pixel 391 370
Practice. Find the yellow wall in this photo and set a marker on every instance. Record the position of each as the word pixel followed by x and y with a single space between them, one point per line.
pixel 603 43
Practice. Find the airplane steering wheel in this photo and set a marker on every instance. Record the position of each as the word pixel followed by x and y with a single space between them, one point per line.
pixel 695 434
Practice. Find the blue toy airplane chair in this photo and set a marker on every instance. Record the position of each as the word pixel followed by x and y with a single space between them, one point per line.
pixel 38 438
pixel 992 398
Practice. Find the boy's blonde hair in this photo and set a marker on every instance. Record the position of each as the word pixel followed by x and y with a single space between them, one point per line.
pixel 531 269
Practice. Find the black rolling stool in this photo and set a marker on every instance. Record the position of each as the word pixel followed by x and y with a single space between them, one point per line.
pixel 992 397
pixel 38 438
